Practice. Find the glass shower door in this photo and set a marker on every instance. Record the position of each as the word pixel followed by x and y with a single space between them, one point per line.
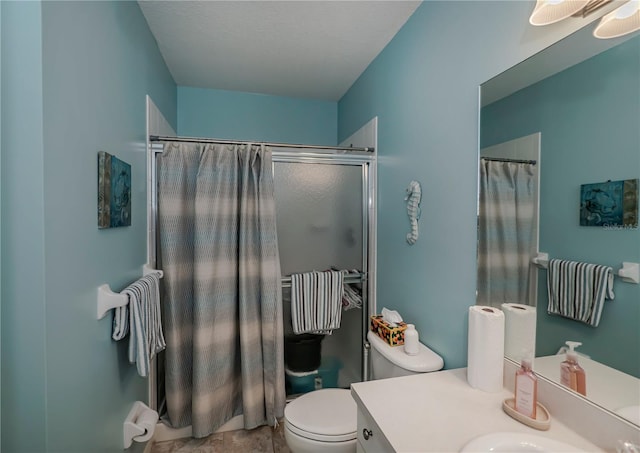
pixel 319 215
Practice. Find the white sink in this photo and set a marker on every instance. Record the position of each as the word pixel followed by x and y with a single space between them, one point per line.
pixel 516 442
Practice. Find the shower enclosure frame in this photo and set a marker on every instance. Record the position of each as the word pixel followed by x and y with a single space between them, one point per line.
pixel 366 160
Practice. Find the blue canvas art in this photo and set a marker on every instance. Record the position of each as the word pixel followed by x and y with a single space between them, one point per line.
pixel 609 204
pixel 114 191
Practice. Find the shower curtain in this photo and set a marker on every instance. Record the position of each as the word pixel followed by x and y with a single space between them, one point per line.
pixel 222 290
pixel 505 231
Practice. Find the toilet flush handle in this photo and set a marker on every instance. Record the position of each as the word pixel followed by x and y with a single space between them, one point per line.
pixel 367 433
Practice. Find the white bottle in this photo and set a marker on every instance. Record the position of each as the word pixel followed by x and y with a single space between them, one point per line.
pixel 411 340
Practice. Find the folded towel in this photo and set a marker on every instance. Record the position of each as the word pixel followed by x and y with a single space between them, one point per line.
pixel 316 301
pixel 143 308
pixel 578 290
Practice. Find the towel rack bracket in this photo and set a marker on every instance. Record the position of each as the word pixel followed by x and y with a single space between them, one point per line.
pixel 108 300
pixel 146 270
pixel 630 272
pixel 541 260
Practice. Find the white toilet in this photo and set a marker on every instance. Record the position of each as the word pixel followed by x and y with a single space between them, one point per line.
pixel 325 420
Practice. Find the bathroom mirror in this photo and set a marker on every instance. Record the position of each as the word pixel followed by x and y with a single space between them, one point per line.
pixel 576 105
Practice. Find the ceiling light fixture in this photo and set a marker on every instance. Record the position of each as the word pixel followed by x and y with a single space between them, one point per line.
pixel 622 21
pixel 550 11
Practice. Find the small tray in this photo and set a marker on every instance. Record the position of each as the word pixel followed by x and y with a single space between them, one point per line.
pixel 541 422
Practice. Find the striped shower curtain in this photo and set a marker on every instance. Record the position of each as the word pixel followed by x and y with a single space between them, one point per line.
pixel 505 231
pixel 222 291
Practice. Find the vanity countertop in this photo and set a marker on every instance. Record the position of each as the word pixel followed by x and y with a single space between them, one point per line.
pixel 440 412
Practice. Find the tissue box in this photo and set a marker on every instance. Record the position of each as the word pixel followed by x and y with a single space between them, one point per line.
pixel 393 336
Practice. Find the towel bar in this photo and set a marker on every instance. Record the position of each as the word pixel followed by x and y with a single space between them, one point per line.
pixel 629 272
pixel 108 300
pixel 353 277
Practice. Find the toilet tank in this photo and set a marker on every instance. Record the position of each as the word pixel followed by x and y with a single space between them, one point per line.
pixel 391 361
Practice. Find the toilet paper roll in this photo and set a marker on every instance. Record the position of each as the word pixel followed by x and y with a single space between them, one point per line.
pixel 519 331
pixel 485 359
pixel 146 420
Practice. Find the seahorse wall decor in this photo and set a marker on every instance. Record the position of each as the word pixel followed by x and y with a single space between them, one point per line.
pixel 414 193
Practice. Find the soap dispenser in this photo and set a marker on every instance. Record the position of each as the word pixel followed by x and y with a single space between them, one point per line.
pixel 526 386
pixel 571 373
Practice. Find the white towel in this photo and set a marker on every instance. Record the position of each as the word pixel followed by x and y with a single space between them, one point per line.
pixel 578 290
pixel 146 338
pixel 316 301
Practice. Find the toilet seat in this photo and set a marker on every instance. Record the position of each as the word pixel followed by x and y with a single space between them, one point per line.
pixel 327 415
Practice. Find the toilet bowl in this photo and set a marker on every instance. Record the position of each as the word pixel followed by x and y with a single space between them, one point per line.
pixel 325 421
pixel 321 421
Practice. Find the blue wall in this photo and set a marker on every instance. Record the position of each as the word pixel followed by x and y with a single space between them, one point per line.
pixel 248 116
pixel 23 294
pixel 424 89
pixel 588 116
pixel 75 76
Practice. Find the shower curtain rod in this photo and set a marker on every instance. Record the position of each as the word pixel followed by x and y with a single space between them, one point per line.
pixel 160 138
pixel 517 161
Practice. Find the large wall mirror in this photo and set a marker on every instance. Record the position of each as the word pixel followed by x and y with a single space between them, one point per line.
pixel 567 116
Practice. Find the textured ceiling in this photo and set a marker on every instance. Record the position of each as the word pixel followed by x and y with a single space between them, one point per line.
pixel 307 49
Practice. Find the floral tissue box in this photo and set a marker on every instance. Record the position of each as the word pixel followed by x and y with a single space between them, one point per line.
pixel 393 336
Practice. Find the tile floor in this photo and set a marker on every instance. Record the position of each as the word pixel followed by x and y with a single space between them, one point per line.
pixel 260 440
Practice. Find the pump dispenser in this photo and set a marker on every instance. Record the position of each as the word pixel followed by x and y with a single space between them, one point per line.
pixel 571 373
pixel 526 386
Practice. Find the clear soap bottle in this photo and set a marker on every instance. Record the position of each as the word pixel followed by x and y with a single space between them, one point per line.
pixel 526 400
pixel 572 375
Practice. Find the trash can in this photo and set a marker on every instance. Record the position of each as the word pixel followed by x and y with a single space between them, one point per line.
pixel 302 352
pixel 326 376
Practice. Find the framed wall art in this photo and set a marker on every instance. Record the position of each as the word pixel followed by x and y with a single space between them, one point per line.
pixel 609 204
pixel 114 191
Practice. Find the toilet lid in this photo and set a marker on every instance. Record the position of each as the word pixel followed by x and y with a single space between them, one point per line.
pixel 326 415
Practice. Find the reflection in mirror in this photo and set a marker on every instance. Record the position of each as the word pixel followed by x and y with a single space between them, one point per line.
pixel 508 221
pixel 586 118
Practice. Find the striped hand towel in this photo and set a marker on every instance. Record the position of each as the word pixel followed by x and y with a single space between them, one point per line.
pixel 578 290
pixel 316 301
pixel 146 338
pixel 120 327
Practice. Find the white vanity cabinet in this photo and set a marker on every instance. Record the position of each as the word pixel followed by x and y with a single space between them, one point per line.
pixel 370 436
pixel 438 412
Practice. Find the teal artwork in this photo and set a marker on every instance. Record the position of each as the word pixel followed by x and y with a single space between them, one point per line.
pixel 114 191
pixel 609 204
